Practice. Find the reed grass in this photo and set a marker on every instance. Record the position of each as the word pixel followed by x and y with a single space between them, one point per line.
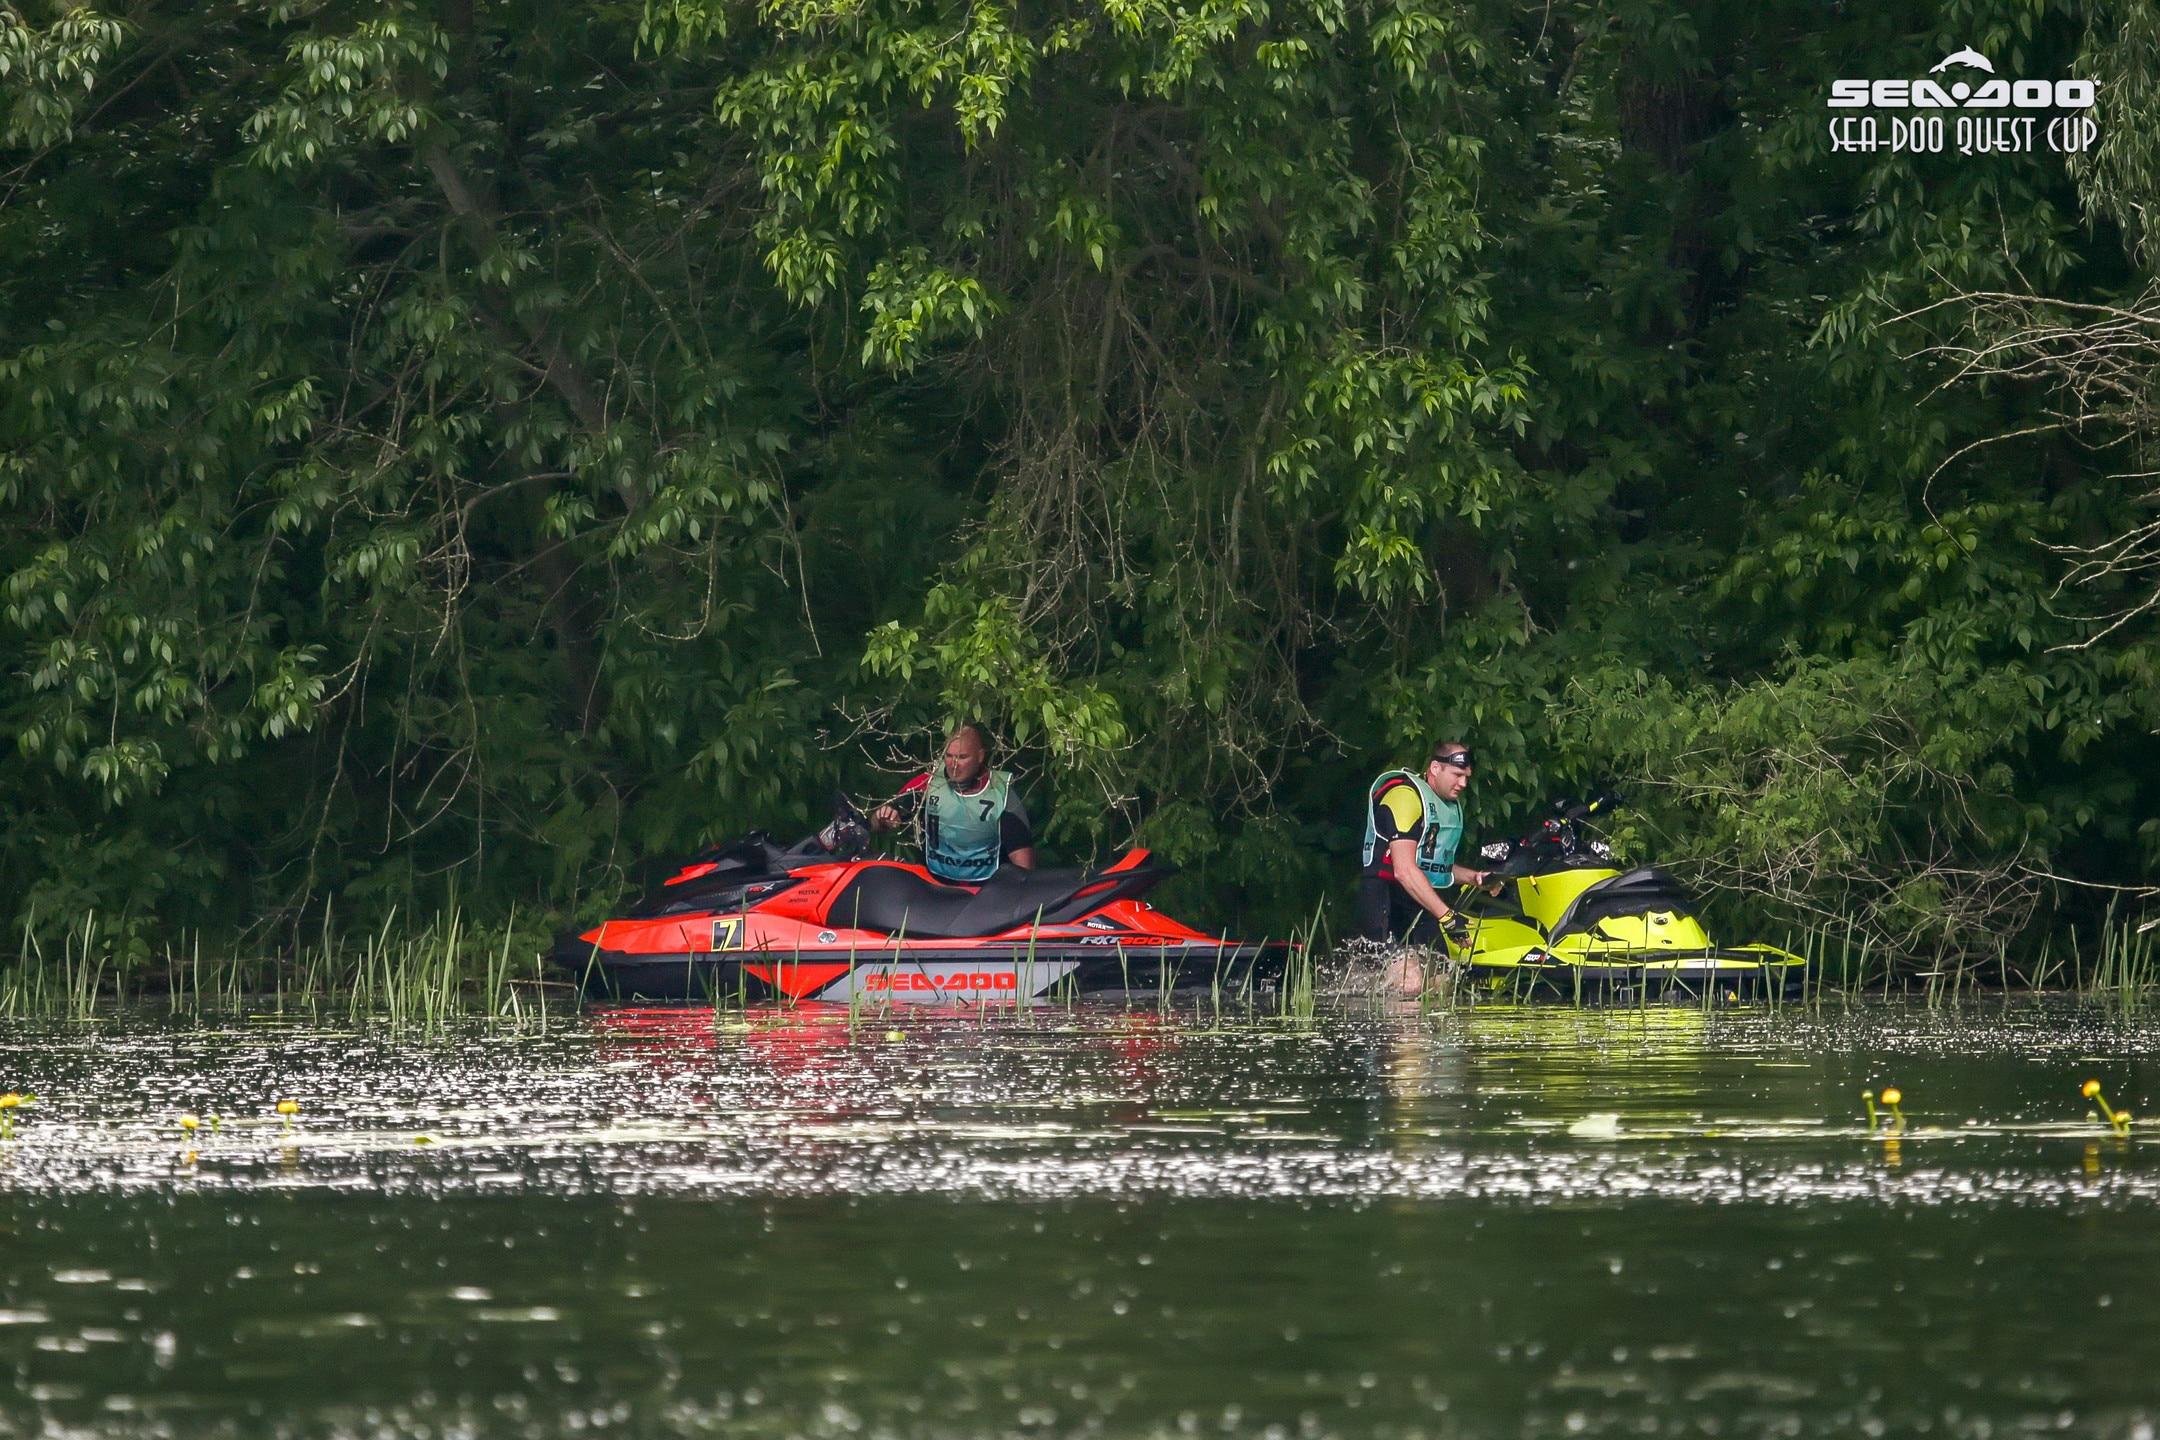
pixel 2125 971
pixel 69 984
pixel 448 970
pixel 444 972
pixel 2120 966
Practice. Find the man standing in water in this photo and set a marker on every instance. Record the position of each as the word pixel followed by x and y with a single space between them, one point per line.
pixel 972 817
pixel 1412 828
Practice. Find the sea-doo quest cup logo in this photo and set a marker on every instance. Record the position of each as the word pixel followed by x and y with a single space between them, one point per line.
pixel 2049 111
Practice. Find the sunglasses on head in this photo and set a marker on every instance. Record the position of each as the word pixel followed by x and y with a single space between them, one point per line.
pixel 1460 759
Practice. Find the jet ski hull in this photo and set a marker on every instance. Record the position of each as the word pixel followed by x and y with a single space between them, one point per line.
pixel 1710 975
pixel 925 975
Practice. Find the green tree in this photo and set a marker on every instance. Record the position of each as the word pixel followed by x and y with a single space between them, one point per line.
pixel 490 446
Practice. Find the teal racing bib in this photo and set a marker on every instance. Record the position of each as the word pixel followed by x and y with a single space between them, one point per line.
pixel 960 832
pixel 1437 842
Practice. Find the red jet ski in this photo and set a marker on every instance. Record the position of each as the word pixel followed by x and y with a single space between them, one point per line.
pixel 811 922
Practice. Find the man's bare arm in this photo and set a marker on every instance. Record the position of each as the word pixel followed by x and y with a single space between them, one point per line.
pixel 1403 854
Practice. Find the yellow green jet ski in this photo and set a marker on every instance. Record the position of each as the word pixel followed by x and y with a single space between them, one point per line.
pixel 1567 919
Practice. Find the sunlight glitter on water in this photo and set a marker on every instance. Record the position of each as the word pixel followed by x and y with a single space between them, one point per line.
pixel 1363 1104
pixel 1382 1223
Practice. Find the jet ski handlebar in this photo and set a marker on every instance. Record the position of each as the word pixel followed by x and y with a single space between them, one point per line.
pixel 1601 802
pixel 1557 838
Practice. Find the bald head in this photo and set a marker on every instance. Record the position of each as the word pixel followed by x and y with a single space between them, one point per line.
pixel 967 755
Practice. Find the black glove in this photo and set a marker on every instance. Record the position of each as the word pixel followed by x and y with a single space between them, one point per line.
pixel 1456 928
pixel 845 837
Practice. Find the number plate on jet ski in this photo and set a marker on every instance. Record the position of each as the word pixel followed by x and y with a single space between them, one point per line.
pixel 727 933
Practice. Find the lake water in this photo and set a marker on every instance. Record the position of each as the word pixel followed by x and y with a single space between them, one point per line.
pixel 1381 1223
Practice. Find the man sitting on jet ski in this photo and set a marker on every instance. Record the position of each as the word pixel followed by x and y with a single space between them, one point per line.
pixel 1412 828
pixel 972 817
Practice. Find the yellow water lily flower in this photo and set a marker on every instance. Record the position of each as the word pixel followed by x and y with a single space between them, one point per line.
pixel 2119 1120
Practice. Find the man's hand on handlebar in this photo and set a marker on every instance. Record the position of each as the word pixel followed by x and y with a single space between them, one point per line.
pixel 884 818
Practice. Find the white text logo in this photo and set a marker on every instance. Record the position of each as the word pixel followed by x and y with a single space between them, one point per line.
pixel 2065 130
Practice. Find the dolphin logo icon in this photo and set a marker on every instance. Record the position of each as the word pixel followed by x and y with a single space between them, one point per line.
pixel 1965 57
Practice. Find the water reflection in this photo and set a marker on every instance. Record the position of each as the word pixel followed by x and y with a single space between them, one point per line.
pixel 1528 1103
pixel 1385 1222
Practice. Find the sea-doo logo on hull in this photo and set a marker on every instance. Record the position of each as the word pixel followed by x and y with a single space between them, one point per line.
pixel 2065 130
pixel 936 982
pixel 971 980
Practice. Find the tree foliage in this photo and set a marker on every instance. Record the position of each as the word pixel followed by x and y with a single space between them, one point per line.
pixel 487 447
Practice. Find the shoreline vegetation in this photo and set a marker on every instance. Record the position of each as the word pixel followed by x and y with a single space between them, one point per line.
pixel 449 971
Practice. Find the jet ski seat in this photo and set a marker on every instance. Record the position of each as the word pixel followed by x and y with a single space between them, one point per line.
pixel 892 899
pixel 1637 892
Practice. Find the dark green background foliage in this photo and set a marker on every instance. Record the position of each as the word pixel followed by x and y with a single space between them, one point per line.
pixel 482 449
